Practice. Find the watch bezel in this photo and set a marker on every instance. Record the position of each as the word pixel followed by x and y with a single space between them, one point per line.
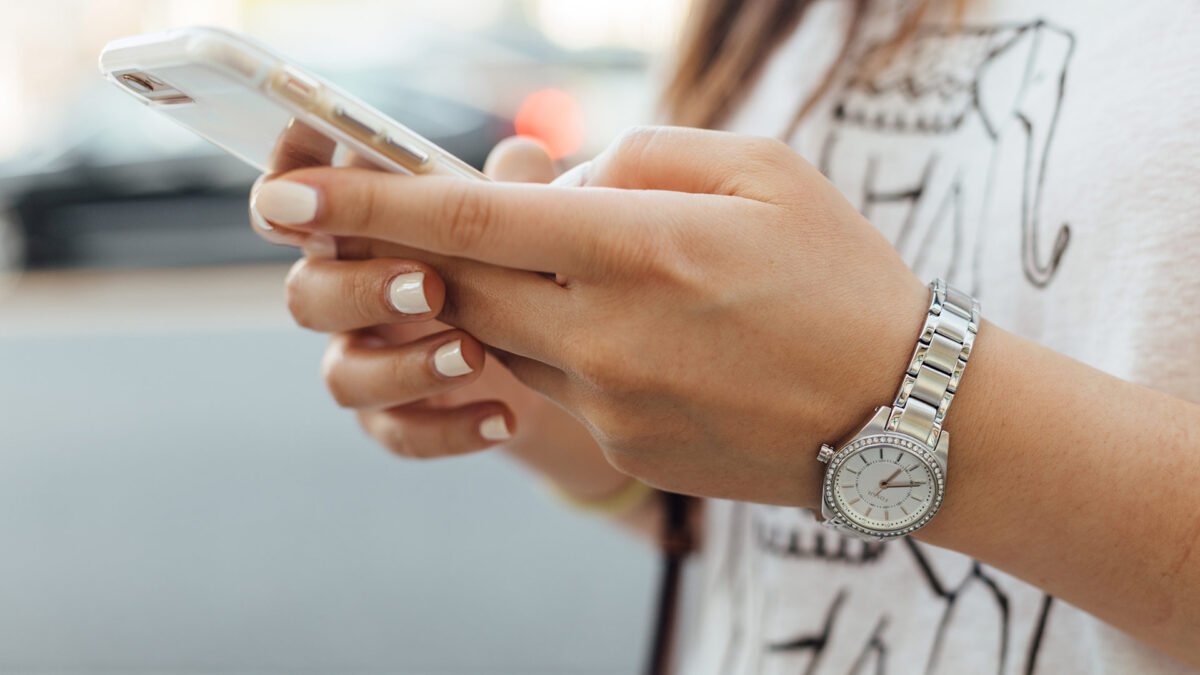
pixel 891 439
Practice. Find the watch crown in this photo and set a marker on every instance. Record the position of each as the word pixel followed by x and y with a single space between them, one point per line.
pixel 825 453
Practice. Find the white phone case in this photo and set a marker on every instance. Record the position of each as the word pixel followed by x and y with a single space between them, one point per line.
pixel 251 102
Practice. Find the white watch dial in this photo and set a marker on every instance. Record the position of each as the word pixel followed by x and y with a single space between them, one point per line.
pixel 884 487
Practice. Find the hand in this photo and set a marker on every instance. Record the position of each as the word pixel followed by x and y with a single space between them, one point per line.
pixel 719 311
pixel 382 362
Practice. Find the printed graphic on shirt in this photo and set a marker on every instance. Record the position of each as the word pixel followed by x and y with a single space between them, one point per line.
pixel 894 146
pixel 924 145
pixel 868 607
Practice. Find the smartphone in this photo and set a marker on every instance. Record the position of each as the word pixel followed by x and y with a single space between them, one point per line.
pixel 256 105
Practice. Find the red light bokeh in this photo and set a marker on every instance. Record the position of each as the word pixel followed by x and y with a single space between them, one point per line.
pixel 554 118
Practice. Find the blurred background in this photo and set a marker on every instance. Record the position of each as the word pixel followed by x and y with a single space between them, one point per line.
pixel 177 491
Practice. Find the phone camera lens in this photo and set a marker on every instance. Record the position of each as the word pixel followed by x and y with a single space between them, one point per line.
pixel 137 83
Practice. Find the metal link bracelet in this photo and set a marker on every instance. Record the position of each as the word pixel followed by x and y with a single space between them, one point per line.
pixel 937 364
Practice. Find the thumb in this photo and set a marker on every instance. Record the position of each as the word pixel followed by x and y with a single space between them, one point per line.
pixel 520 159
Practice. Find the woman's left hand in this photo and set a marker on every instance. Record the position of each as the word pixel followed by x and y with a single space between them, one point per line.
pixel 706 303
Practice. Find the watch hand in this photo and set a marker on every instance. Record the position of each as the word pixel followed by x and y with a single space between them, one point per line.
pixel 884 483
pixel 892 485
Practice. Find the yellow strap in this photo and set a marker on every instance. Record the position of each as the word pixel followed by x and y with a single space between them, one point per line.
pixel 629 496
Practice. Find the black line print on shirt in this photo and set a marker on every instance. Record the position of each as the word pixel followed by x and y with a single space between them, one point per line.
pixel 813 642
pixel 996 87
pixel 891 149
pixel 968 595
pixel 789 544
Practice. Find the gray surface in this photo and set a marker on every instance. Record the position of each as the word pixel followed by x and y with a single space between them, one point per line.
pixel 196 503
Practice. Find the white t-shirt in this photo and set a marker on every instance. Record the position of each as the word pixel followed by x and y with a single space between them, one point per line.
pixel 1047 158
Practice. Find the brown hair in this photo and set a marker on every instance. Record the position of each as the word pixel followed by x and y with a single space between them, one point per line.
pixel 726 43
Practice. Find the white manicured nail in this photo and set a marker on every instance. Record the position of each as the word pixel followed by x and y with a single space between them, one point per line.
pixel 275 235
pixel 285 203
pixel 320 247
pixel 259 222
pixel 449 361
pixel 494 428
pixel 407 294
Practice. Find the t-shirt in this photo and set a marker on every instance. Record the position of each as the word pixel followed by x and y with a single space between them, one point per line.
pixel 1045 156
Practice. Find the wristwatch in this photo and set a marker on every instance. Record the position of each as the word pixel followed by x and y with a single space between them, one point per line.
pixel 889 479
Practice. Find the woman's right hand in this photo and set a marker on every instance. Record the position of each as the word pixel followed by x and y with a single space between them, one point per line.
pixel 420 387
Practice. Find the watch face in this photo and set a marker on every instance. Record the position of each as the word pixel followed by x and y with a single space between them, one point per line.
pixel 884 485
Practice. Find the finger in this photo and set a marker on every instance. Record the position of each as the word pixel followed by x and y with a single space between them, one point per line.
pixel 299 145
pixel 361 375
pixel 519 159
pixel 576 176
pixel 423 432
pixel 531 227
pixel 695 160
pixel 336 296
pixel 280 236
pixel 518 311
pixel 541 377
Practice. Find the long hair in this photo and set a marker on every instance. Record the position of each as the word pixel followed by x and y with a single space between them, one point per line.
pixel 726 44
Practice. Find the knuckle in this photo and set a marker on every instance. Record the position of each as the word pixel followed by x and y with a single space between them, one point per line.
pixel 412 447
pixel 650 253
pixel 768 161
pixel 400 442
pixel 444 442
pixel 636 140
pixel 624 157
pixel 364 195
pixel 294 294
pixel 468 215
pixel 768 150
pixel 408 379
pixel 333 375
pixel 364 292
pixel 393 433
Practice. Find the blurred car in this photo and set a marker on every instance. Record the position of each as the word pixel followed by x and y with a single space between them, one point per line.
pixel 126 188
pixel 122 187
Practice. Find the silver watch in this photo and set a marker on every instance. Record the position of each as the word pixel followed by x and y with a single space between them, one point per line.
pixel 889 479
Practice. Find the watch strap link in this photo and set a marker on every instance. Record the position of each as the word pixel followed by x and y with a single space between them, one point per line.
pixel 937 364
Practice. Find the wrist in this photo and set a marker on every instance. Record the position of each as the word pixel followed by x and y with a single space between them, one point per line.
pixel 888 479
pixel 979 404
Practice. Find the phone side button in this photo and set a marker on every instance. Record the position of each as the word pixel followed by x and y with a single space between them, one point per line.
pixel 355 123
pixel 415 160
pixel 295 86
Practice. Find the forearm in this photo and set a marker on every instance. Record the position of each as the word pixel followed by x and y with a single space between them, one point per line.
pixel 1080 483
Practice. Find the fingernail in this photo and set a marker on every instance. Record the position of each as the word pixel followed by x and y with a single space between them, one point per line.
pixel 494 428
pixel 285 203
pixel 259 222
pixel 407 293
pixel 320 247
pixel 275 235
pixel 449 361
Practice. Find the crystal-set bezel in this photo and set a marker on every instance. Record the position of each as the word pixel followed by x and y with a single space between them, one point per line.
pixel 890 439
